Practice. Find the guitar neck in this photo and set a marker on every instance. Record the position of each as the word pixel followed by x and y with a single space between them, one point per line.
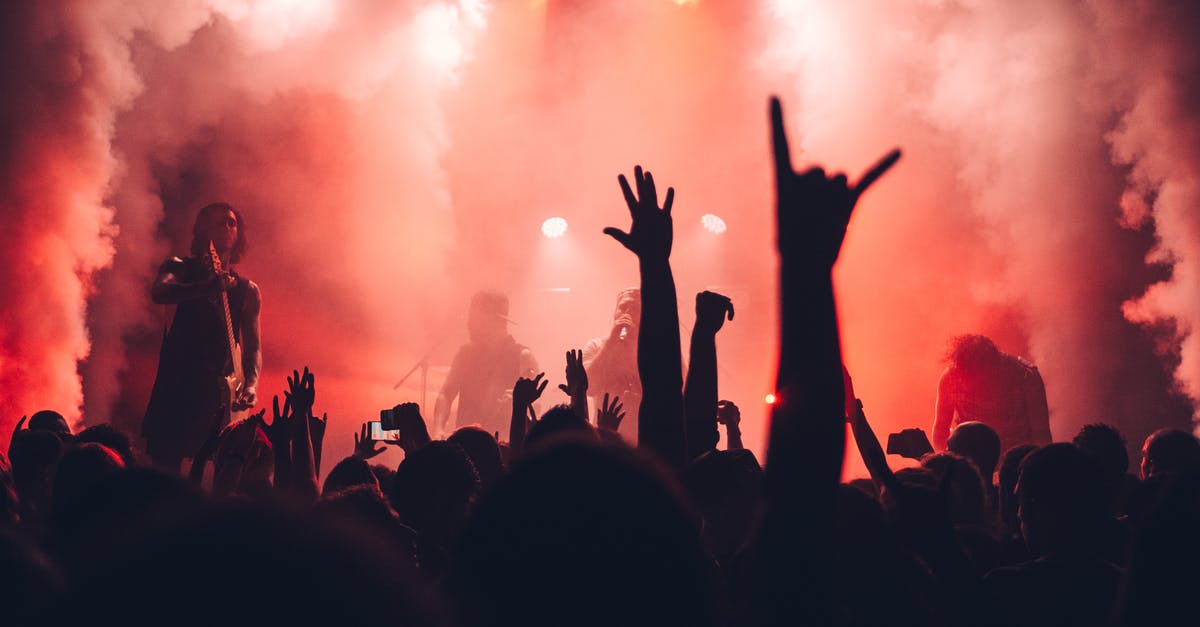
pixel 215 265
pixel 232 341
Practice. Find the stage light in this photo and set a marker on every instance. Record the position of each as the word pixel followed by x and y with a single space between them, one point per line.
pixel 770 399
pixel 712 223
pixel 554 227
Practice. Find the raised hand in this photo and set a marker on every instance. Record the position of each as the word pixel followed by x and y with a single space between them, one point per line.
pixel 650 234
pixel 301 392
pixel 316 428
pixel 814 209
pixel 577 381
pixel 728 414
pixel 279 431
pixel 413 432
pixel 364 446
pixel 711 311
pixel 610 415
pixel 526 391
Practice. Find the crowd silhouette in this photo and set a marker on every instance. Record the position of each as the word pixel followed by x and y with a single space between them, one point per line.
pixel 559 521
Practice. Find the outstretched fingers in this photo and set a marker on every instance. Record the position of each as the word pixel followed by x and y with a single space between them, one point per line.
pixel 626 191
pixel 879 169
pixel 779 143
pixel 620 236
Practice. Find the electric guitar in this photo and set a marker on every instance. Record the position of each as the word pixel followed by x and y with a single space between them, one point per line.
pixel 233 383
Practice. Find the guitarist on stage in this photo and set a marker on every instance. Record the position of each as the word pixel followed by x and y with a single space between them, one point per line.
pixel 216 316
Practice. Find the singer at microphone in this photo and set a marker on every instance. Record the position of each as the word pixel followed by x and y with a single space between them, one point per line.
pixel 611 361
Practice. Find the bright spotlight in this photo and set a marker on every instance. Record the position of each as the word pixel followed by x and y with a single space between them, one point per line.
pixel 712 223
pixel 770 399
pixel 554 227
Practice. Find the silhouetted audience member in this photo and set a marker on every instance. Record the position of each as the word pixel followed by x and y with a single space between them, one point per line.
pixel 80 468
pixel 108 436
pixel 967 502
pixel 1169 451
pixel 588 534
pixel 34 455
pixel 248 564
pixel 556 421
pixel 1163 577
pixel 727 489
pixel 364 507
pixel 350 472
pixel 1105 445
pixel 879 581
pixel 483 450
pixel 1010 469
pixel 980 444
pixel 52 421
pixel 1061 509
pixel 432 492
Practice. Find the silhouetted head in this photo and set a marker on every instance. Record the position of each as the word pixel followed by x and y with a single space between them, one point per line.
pixel 727 488
pixel 1169 451
pixel 33 455
pixel 1010 470
pixel 962 484
pixel 80 468
pixel 221 224
pixel 108 436
pixel 433 490
pixel 585 534
pixel 558 420
pixel 876 580
pixel 352 471
pixel 482 449
pixel 50 420
pixel 487 317
pixel 972 352
pixel 1060 501
pixel 978 443
pixel 365 507
pixel 383 474
pixel 1105 446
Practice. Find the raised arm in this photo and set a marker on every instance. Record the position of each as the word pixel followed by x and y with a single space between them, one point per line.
pixel 660 419
pixel 525 393
pixel 807 431
pixel 700 392
pixel 729 415
pixel 576 386
pixel 869 448
pixel 301 395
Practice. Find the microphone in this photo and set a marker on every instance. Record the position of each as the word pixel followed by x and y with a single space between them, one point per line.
pixel 626 324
